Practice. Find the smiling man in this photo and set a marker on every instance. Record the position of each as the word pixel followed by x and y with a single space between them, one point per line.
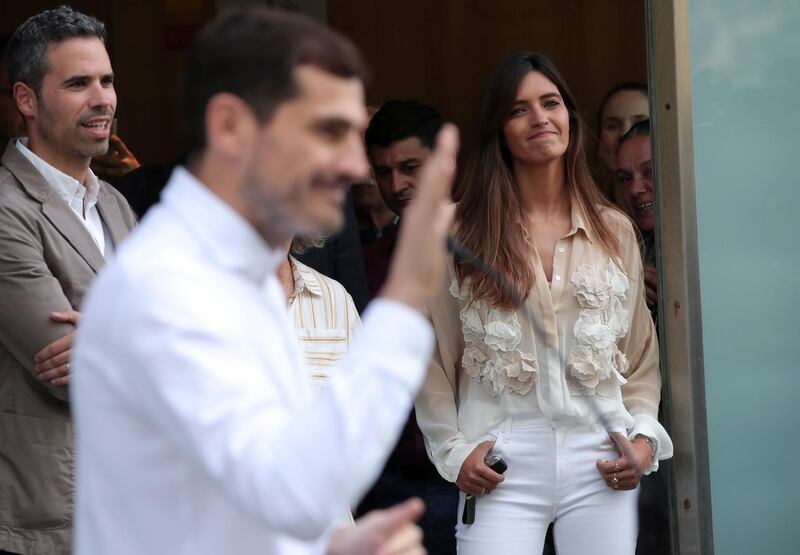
pixel 635 191
pixel 58 225
pixel 198 430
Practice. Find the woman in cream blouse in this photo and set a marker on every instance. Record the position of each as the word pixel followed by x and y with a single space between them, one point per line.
pixel 527 382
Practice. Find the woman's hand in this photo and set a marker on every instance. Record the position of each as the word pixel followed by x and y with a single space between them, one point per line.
pixel 625 472
pixel 475 477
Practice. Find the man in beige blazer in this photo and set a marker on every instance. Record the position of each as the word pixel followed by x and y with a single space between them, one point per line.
pixel 58 225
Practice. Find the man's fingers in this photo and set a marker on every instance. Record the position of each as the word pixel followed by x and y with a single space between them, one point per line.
pixel 56 373
pixel 55 361
pixel 401 514
pixel 72 316
pixel 55 348
pixel 405 541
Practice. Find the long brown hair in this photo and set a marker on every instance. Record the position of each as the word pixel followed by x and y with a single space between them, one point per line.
pixel 489 209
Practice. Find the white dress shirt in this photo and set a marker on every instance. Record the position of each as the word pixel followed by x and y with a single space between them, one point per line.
pixel 82 200
pixel 197 427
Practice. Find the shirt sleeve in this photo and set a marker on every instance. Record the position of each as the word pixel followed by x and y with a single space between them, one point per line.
pixel 436 408
pixel 29 292
pixel 196 371
pixel 642 392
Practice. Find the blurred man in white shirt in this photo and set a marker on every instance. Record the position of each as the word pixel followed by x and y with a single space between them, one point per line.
pixel 197 428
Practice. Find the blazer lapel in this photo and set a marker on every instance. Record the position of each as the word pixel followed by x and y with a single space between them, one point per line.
pixel 53 207
pixel 108 207
pixel 67 223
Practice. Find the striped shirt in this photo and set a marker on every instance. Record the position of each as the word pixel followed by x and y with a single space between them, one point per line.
pixel 325 318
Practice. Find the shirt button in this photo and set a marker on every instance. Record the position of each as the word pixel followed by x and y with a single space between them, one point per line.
pixel 561 249
pixel 558 278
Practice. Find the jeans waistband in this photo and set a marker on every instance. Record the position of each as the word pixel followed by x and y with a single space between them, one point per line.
pixel 540 420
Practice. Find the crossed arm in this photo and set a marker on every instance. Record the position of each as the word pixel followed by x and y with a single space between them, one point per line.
pixel 37 321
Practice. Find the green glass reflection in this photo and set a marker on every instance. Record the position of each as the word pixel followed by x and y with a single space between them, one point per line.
pixel 746 89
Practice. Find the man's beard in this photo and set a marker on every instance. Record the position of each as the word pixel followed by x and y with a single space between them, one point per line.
pixel 276 217
pixel 61 139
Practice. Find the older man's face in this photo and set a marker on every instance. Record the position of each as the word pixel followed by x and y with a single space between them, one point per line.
pixel 635 181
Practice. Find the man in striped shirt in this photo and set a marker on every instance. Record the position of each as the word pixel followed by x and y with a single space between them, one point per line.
pixel 321 310
pixel 325 318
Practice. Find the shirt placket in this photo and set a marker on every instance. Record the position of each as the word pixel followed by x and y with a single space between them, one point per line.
pixel 548 326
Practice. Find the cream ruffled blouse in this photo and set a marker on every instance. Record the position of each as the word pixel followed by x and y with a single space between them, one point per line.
pixel 587 334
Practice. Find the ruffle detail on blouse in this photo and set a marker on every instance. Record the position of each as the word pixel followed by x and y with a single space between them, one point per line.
pixel 596 366
pixel 491 346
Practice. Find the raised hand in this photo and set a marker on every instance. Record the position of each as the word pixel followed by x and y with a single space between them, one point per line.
pixel 419 260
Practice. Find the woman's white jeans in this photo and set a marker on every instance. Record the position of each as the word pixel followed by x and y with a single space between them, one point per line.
pixel 551 477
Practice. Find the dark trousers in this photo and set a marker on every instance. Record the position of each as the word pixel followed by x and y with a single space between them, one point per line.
pixel 655 537
pixel 441 505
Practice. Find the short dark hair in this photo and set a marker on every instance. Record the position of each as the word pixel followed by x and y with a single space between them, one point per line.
pixel 639 129
pixel 400 119
pixel 26 52
pixel 252 53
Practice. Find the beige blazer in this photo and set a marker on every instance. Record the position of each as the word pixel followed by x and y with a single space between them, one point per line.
pixel 47 261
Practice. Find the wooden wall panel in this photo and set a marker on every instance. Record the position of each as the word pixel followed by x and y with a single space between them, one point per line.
pixel 441 51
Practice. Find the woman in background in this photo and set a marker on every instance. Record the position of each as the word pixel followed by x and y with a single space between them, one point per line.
pixel 624 105
pixel 525 381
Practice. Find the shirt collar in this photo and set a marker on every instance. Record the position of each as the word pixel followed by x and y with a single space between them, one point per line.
pixel 579 222
pixel 305 278
pixel 66 186
pixel 227 237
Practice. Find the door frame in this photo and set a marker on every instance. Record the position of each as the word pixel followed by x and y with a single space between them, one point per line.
pixel 670 78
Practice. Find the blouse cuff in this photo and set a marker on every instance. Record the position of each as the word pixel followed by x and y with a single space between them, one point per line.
pixel 646 425
pixel 450 468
